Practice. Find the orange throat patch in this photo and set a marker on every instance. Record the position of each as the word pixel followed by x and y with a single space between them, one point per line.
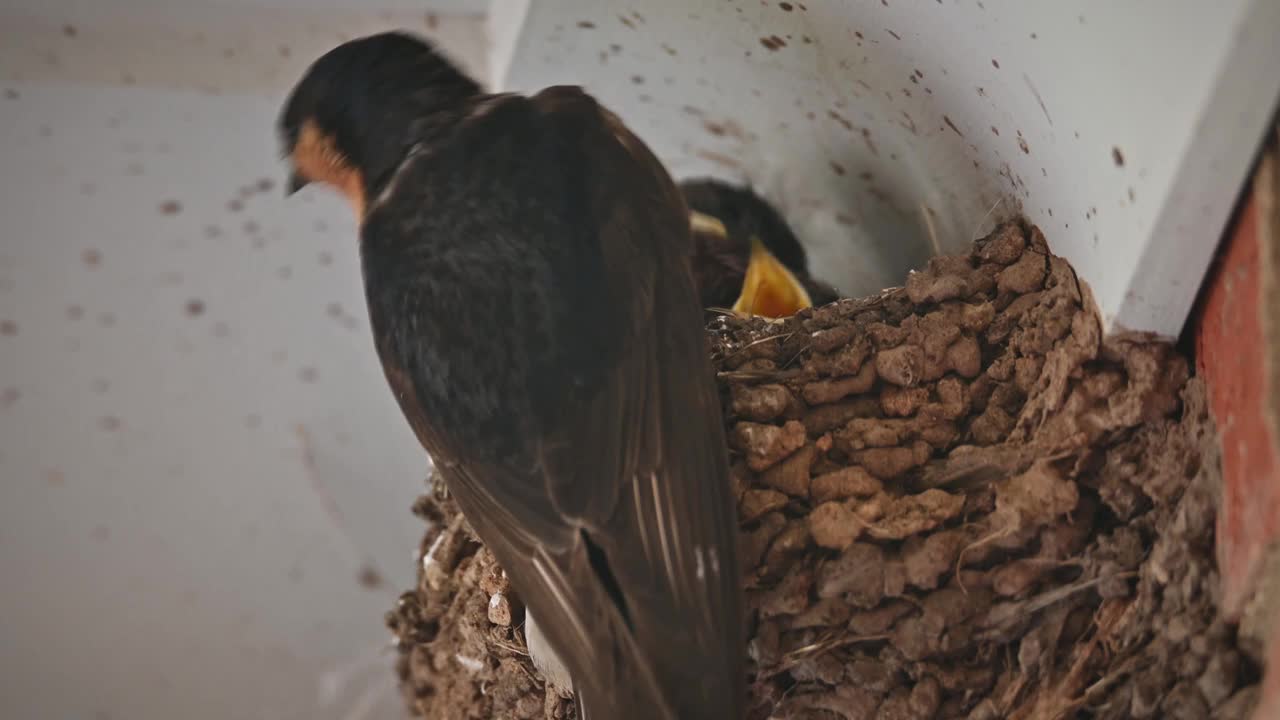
pixel 317 159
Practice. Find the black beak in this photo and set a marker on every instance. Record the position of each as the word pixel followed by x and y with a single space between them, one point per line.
pixel 296 183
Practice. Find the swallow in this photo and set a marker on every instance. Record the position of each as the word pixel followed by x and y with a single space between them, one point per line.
pixel 527 268
pixel 746 256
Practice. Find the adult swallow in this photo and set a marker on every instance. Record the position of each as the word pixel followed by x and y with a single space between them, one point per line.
pixel 746 256
pixel 526 265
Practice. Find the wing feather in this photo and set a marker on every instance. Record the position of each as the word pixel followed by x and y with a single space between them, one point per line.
pixel 621 449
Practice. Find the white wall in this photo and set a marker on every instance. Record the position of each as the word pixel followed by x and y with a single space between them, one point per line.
pixel 188 495
pixel 869 115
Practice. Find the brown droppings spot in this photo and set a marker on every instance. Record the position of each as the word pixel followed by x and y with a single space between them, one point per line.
pixel 75 312
pixel 637 79
pixel 10 94
pixel 369 577
pixel 70 30
pixel 718 158
pixel 857 34
pixel 871 145
pixel 170 207
pixel 1117 156
pixel 8 328
pixel 995 63
pixel 895 35
pixel 1133 197
pixel 195 307
pixel 837 168
pixel 285 51
pixel 995 130
pixel 92 258
pixel 308 374
pixel 109 423
pixel 586 24
pixel 433 21
pixel 786 6
pixel 773 43
pixel 952 125
pixel 1022 145
pixel 265 184
pixel 669 50
pixel 236 205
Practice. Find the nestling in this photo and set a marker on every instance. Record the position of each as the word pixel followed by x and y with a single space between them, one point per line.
pixel 746 256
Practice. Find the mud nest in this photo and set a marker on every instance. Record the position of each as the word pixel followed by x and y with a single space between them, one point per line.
pixel 957 501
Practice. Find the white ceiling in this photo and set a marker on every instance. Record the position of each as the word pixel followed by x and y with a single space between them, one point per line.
pixel 875 124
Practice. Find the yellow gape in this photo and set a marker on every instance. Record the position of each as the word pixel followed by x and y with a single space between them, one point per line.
pixel 703 223
pixel 769 289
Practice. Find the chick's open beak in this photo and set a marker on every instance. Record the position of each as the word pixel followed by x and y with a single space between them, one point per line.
pixel 770 290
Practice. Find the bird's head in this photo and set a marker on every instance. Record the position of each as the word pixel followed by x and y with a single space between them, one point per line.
pixel 746 254
pixel 350 119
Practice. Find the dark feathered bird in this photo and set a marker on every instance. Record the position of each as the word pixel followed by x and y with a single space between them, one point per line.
pixel 747 258
pixel 526 266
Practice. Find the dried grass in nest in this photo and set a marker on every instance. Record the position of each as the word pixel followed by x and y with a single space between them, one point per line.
pixel 957 501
